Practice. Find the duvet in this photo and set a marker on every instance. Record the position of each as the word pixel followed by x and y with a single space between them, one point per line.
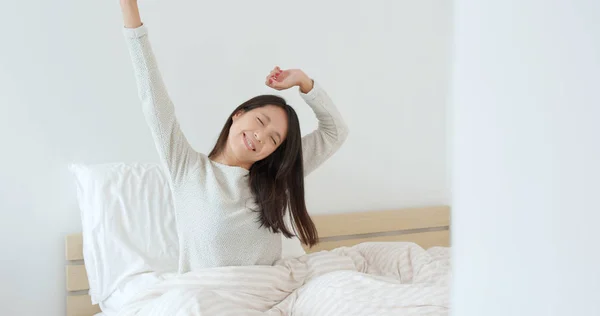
pixel 379 278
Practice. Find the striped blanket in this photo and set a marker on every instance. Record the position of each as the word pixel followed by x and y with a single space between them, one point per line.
pixel 392 278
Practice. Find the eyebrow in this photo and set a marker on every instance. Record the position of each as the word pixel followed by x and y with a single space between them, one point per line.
pixel 269 119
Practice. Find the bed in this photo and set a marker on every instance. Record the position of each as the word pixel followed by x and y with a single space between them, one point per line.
pixel 425 226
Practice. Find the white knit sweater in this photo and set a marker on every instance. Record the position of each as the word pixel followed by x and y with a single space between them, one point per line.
pixel 213 201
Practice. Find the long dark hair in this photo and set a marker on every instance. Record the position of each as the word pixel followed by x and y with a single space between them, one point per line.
pixel 277 181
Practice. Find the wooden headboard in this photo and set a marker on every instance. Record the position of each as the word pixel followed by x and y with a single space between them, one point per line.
pixel 426 226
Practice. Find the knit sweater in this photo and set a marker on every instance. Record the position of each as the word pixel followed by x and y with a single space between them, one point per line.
pixel 213 202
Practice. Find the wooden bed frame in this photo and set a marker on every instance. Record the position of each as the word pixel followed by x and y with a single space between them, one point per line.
pixel 426 226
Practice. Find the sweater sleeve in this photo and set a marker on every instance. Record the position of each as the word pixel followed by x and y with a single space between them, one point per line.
pixel 173 148
pixel 331 133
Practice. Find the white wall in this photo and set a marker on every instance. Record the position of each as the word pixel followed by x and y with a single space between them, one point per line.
pixel 525 156
pixel 68 95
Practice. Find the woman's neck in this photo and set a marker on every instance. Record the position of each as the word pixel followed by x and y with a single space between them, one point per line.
pixel 226 158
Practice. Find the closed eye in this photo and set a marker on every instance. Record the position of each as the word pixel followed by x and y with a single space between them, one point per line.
pixel 261 122
pixel 274 142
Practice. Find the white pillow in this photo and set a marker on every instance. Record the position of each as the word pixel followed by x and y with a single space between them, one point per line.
pixel 128 223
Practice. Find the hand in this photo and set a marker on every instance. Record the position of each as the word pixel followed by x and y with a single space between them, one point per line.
pixel 279 79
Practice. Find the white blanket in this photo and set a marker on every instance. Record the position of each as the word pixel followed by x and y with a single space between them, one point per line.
pixel 367 279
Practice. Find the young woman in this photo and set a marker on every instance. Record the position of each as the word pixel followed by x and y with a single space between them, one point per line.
pixel 231 204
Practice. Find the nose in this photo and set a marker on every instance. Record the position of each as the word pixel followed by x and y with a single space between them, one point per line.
pixel 257 138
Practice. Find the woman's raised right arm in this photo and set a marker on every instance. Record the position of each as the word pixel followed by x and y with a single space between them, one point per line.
pixel 173 148
pixel 131 14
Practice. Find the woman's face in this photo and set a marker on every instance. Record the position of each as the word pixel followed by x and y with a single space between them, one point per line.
pixel 257 133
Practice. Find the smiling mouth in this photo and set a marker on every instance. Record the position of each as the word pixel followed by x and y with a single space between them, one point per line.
pixel 248 143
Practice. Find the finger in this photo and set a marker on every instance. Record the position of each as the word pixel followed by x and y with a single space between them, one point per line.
pixel 269 81
pixel 278 76
pixel 276 84
pixel 273 74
